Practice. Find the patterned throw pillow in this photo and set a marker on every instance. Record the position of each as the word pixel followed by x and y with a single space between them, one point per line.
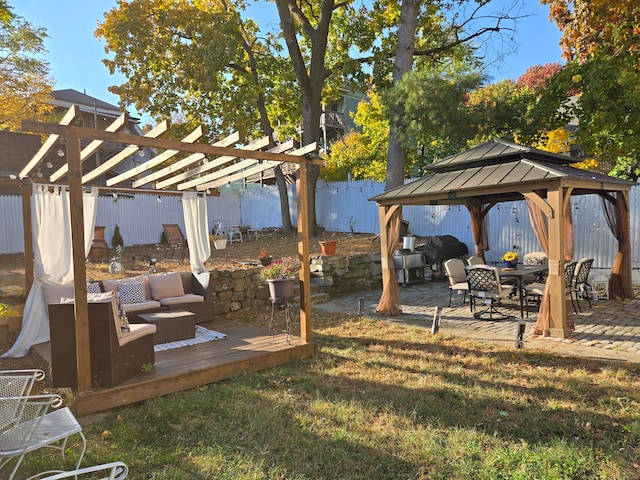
pixel 131 292
pixel 122 316
pixel 93 287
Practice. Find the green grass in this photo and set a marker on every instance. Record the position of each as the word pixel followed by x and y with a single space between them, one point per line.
pixel 385 401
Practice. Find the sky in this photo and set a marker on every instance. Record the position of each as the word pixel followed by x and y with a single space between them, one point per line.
pixel 75 55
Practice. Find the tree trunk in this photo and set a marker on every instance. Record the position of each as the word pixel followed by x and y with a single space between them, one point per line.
pixel 397 153
pixel 287 227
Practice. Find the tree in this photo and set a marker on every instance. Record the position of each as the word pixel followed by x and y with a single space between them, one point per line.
pixel 601 42
pixel 25 84
pixel 205 62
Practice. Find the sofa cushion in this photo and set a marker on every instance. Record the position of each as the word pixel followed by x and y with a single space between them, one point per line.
pixel 119 315
pixel 93 287
pixel 136 307
pixel 186 298
pixel 131 292
pixel 53 293
pixel 109 285
pixel 137 330
pixel 167 285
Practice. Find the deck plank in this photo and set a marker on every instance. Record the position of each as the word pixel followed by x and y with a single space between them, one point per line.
pixel 246 348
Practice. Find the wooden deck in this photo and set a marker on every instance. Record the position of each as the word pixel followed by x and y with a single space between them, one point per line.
pixel 245 349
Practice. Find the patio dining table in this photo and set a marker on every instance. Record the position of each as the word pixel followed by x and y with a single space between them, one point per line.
pixel 518 274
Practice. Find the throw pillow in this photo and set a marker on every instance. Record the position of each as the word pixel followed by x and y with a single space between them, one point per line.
pixel 122 316
pixel 93 287
pixel 165 286
pixel 131 292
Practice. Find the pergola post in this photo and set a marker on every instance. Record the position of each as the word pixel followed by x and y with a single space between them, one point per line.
pixel 558 326
pixel 303 255
pixel 27 229
pixel 83 354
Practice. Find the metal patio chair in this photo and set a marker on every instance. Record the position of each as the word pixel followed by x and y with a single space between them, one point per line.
pixel 33 422
pixel 581 287
pixel 457 276
pixel 115 470
pixel 484 283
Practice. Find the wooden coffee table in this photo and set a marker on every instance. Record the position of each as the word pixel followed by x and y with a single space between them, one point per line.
pixel 171 326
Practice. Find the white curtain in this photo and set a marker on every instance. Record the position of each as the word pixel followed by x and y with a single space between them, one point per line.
pixel 53 257
pixel 196 224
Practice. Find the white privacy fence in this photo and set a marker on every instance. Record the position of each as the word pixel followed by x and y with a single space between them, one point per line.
pixel 342 207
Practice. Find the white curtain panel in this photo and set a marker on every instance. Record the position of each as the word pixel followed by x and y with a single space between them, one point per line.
pixel 196 224
pixel 53 257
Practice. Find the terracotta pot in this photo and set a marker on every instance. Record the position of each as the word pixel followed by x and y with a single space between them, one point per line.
pixel 281 288
pixel 328 247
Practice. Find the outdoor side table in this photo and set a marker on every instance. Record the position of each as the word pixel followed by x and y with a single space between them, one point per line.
pixel 171 326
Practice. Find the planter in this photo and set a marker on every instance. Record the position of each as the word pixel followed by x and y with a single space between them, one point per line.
pixel 220 243
pixel 281 288
pixel 99 248
pixel 328 247
pixel 265 260
pixel 510 264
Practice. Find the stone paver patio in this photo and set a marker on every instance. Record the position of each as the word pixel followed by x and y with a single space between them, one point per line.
pixel 610 329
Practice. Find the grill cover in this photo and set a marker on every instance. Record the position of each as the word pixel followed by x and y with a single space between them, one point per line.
pixel 440 248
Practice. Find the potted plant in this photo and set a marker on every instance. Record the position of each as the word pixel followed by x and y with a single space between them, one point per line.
pixel 264 257
pixel 219 241
pixel 281 276
pixel 328 247
pixel 510 259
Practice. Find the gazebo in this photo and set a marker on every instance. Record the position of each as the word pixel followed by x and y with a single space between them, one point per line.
pixel 183 166
pixel 500 171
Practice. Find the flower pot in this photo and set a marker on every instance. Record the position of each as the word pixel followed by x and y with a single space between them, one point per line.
pixel 265 260
pixel 281 288
pixel 220 243
pixel 510 263
pixel 328 247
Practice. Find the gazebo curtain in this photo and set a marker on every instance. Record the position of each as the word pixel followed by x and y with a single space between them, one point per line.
pixel 616 210
pixel 389 303
pixel 196 223
pixel 53 257
pixel 540 225
pixel 479 225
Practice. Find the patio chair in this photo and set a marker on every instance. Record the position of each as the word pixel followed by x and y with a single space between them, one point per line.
pixel 116 471
pixel 475 260
pixel 18 383
pixel 484 282
pixel 175 240
pixel 581 287
pixel 457 276
pixel 535 290
pixel 33 422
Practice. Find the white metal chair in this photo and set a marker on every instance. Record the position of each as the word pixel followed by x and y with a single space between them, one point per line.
pixel 18 383
pixel 115 471
pixel 484 282
pixel 457 276
pixel 234 233
pixel 33 422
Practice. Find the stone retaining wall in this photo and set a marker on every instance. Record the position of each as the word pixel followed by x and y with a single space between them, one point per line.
pixel 333 275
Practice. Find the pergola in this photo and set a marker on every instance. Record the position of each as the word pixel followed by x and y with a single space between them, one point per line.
pixel 203 168
pixel 501 171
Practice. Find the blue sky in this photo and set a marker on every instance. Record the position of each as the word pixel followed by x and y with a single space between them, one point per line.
pixel 75 55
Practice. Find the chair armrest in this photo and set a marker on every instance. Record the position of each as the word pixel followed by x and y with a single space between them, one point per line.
pixel 117 471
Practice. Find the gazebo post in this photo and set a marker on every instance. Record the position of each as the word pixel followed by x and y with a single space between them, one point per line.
pixel 626 248
pixel 559 326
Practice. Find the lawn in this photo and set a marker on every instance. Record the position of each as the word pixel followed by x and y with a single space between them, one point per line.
pixel 382 401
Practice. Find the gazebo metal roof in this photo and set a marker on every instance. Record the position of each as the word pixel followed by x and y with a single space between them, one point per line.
pixel 497 170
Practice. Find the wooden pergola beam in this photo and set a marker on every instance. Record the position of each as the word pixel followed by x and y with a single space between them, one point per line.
pixel 120 157
pixel 90 149
pixel 185 162
pixel 31 126
pixel 49 143
pixel 155 161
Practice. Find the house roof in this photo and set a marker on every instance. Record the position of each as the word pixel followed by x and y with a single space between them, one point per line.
pixel 498 170
pixel 68 97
